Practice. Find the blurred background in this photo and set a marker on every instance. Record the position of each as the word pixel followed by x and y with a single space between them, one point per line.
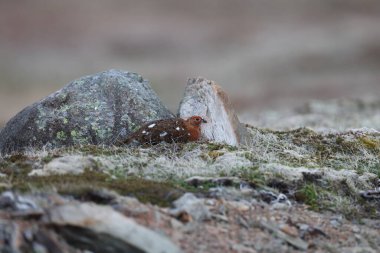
pixel 267 54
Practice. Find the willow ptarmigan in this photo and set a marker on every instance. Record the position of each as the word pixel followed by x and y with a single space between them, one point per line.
pixel 168 130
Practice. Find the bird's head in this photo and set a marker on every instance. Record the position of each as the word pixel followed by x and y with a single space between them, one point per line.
pixel 196 120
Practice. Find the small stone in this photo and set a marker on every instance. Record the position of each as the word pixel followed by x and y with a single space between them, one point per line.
pixel 189 207
pixel 210 202
pixel 241 206
pixel 175 224
pixel 336 221
pixel 290 230
pixel 355 229
pixel 17 202
pixel 281 203
pixel 163 134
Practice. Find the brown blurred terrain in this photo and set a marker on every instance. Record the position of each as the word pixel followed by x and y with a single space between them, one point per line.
pixel 265 53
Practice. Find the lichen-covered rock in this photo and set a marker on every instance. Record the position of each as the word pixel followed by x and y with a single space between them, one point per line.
pixel 96 109
pixel 207 99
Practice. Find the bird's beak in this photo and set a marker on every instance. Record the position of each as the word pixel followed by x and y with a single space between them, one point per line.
pixel 204 121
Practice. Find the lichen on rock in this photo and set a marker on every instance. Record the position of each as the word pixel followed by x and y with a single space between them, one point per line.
pixel 96 109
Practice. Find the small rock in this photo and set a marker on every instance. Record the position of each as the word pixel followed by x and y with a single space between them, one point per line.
pixel 15 202
pixel 358 250
pixel 189 207
pixel 355 229
pixel 295 242
pixel 308 230
pixel 242 249
pixel 220 217
pixel 210 202
pixel 281 203
pixel 370 194
pixel 336 221
pixel 290 230
pixel 241 206
pixel 267 196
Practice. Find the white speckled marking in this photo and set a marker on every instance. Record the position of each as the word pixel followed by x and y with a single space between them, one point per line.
pixel 144 132
pixel 177 128
pixel 151 126
pixel 188 134
pixel 163 134
pixel 182 129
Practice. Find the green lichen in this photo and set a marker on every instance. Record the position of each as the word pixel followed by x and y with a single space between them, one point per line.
pixel 251 175
pixel 61 136
pixel 78 137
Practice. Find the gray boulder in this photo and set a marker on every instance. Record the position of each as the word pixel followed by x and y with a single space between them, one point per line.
pixel 96 109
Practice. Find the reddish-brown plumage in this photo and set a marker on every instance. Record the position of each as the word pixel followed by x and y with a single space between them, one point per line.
pixel 168 130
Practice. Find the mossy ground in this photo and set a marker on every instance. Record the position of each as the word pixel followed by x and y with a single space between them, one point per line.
pixel 156 174
pixel 83 185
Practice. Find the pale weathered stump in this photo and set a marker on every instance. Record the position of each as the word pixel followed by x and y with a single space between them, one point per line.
pixel 207 99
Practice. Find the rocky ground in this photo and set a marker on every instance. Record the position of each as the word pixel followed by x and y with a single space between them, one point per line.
pixel 312 189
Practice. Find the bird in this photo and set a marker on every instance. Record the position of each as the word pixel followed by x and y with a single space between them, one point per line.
pixel 171 130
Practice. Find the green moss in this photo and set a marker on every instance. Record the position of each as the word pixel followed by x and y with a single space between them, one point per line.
pixel 79 137
pixel 17 158
pixel 99 150
pixel 369 143
pixel 48 158
pixel 215 154
pixel 375 169
pixel 308 194
pixel 17 164
pixel 251 175
pixel 214 146
pixel 159 193
pixel 218 146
